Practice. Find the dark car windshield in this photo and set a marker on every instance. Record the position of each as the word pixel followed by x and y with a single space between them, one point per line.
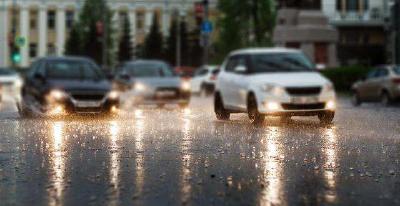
pixel 6 72
pixel 70 69
pixel 281 62
pixel 149 70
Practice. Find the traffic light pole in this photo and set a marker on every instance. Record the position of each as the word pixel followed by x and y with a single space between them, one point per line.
pixel 13 47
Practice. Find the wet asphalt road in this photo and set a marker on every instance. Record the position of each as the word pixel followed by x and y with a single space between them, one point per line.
pixel 175 157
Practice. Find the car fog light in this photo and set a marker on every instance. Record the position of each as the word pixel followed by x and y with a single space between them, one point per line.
pixel 331 105
pixel 272 106
pixel 139 87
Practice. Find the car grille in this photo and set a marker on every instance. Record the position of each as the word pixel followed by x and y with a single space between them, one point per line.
pixel 303 106
pixel 304 90
pixel 88 97
pixel 169 97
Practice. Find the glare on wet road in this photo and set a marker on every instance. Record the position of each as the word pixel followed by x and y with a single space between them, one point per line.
pixel 186 157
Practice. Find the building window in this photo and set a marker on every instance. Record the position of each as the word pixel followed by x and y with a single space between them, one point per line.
pixel 33 20
pixel 352 5
pixel 32 50
pixel 140 20
pixel 70 15
pixel 51 49
pixel 339 5
pixel 51 19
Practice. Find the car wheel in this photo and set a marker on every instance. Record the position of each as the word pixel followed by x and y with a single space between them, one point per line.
pixel 219 109
pixel 326 117
pixel 254 115
pixel 386 100
pixel 355 100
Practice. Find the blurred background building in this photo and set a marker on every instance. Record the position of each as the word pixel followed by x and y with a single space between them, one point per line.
pixel 41 27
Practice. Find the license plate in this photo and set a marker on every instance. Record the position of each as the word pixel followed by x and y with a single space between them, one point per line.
pixel 85 104
pixel 162 94
pixel 304 100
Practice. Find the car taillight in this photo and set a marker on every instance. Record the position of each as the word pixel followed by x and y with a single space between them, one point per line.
pixel 396 80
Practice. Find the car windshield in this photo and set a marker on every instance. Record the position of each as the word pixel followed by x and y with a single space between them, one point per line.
pixel 69 69
pixel 396 70
pixel 7 72
pixel 149 70
pixel 282 62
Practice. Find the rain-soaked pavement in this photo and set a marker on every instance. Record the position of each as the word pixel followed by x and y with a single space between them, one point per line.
pixel 175 157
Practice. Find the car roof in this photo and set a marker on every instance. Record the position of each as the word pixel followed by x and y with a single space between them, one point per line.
pixel 145 61
pixel 264 50
pixel 65 58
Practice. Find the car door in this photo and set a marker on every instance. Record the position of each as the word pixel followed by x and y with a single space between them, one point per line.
pixel 39 82
pixel 198 79
pixel 225 81
pixel 31 90
pixel 239 84
pixel 379 84
pixel 366 87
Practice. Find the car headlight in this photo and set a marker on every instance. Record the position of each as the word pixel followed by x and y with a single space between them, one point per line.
pixel 139 87
pixel 57 94
pixel 113 95
pixel 185 85
pixel 19 83
pixel 273 89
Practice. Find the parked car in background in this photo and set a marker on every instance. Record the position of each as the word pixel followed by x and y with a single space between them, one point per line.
pixel 381 84
pixel 65 85
pixel 151 82
pixel 185 72
pixel 203 81
pixel 277 82
pixel 10 83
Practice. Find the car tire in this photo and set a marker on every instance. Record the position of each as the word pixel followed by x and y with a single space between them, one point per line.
pixel 220 112
pixel 355 100
pixel 252 109
pixel 326 117
pixel 386 100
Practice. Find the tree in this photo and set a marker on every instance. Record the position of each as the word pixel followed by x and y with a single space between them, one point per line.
pixel 125 50
pixel 94 23
pixel 172 39
pixel 244 23
pixel 153 45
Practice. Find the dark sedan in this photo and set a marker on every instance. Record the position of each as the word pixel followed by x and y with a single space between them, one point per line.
pixel 66 85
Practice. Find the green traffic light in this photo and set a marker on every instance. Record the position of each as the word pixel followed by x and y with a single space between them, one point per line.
pixel 16 57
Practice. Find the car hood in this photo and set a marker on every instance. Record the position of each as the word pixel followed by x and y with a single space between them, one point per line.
pixel 10 78
pixel 292 79
pixel 166 82
pixel 80 85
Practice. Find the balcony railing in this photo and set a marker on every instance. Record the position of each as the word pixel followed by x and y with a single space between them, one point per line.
pixel 374 16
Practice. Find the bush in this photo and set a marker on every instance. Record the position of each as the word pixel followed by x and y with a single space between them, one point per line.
pixel 344 77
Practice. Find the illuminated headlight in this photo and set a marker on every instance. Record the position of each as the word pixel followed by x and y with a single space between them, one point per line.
pixel 272 106
pixel 331 105
pixel 185 86
pixel 139 87
pixel 273 89
pixel 19 83
pixel 113 95
pixel 57 95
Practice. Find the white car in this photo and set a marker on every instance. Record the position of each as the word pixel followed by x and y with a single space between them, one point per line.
pixel 10 83
pixel 275 81
pixel 203 81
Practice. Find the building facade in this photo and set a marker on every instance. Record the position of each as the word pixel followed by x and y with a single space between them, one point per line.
pixel 44 24
pixel 363 29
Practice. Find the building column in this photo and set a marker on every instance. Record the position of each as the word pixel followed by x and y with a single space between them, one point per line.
pixel 60 30
pixel 42 31
pixel 4 50
pixel 132 20
pixel 24 33
pixel 149 19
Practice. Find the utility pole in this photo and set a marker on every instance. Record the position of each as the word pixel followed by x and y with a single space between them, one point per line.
pixel 206 35
pixel 178 37
pixel 13 47
pixel 105 33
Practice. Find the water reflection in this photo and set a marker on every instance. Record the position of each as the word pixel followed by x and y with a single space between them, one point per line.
pixel 330 164
pixel 273 171
pixel 185 176
pixel 114 161
pixel 139 153
pixel 58 163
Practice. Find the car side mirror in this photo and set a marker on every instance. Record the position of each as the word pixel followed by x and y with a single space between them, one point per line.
pixel 240 69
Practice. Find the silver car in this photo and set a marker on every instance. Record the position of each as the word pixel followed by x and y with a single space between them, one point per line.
pixel 382 84
pixel 150 82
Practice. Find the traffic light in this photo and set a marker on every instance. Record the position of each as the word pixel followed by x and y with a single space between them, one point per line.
pixel 16 56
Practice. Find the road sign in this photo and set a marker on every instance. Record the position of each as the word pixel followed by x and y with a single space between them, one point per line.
pixel 20 41
pixel 206 27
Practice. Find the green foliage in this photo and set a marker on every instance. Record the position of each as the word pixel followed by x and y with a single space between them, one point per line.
pixel 245 23
pixel 344 77
pixel 171 42
pixel 125 44
pixel 153 46
pixel 86 39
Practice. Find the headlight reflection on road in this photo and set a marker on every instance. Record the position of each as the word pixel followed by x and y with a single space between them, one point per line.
pixel 114 161
pixel 272 169
pixel 58 163
pixel 139 156
pixel 330 147
pixel 186 145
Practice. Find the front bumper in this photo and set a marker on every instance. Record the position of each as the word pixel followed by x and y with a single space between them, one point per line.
pixel 71 106
pixel 151 98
